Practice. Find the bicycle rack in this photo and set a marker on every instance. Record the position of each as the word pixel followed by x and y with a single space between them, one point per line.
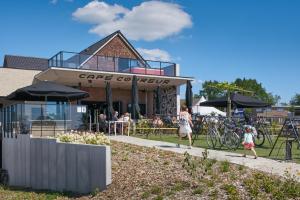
pixel 289 130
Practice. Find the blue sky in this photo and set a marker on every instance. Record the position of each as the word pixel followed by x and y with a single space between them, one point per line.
pixel 219 40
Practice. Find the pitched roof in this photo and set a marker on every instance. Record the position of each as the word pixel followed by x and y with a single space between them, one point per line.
pixel 24 62
pixel 94 48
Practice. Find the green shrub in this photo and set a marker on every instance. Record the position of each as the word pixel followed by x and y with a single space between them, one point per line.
pixel 84 138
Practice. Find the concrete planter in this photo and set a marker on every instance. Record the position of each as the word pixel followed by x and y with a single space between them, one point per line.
pixel 42 163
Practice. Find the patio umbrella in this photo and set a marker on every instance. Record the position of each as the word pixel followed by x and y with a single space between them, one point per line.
pixel 158 100
pixel 47 90
pixel 189 96
pixel 109 102
pixel 238 100
pixel 135 108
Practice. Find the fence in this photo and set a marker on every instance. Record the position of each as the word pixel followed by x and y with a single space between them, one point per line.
pixel 42 163
pixel 74 60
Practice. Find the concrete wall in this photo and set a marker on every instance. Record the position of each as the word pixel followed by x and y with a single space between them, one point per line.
pixel 42 163
pixel 13 79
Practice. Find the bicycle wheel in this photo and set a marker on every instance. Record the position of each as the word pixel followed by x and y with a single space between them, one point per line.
pixel 231 140
pixel 211 139
pixel 259 139
pixel 236 141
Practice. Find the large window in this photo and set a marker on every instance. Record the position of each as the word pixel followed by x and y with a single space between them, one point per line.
pixel 40 118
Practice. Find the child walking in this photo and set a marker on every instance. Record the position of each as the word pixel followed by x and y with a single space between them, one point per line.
pixel 248 140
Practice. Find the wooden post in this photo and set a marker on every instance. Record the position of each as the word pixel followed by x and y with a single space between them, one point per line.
pixel 228 104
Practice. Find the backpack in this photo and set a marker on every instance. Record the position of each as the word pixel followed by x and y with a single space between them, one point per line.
pixel 183 120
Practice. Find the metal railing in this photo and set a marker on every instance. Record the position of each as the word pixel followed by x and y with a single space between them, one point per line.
pixel 73 60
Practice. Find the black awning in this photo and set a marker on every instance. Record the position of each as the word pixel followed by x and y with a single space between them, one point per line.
pixel 238 100
pixel 47 90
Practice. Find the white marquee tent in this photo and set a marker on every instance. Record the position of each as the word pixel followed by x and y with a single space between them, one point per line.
pixel 205 110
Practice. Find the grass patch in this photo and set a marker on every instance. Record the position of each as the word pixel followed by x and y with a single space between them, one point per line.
pixel 231 191
pixel 159 197
pixel 288 188
pixel 145 195
pixel 180 186
pixel 198 190
pixel 262 151
pixel 156 190
pixel 224 166
pixel 209 182
pixel 7 192
pixel 213 194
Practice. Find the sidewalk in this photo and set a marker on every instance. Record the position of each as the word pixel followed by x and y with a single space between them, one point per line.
pixel 262 164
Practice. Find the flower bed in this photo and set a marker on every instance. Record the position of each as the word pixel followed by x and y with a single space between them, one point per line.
pixel 84 138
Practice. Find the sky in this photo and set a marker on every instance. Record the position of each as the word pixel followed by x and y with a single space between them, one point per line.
pixel 210 39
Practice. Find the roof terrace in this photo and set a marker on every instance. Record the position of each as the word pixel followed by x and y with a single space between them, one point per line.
pixel 94 62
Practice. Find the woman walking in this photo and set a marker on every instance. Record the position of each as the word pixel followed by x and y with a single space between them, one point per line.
pixel 185 123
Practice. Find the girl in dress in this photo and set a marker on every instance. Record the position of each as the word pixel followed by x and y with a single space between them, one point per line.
pixel 248 140
pixel 185 123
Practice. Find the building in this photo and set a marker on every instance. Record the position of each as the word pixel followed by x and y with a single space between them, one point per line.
pixel 279 113
pixel 112 59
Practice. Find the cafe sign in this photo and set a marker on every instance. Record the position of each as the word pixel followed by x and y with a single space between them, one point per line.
pixel 120 78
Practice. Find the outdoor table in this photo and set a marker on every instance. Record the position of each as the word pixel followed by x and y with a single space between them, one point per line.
pixel 115 123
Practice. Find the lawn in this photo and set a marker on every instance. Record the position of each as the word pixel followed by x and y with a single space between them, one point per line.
pixel 149 173
pixel 278 153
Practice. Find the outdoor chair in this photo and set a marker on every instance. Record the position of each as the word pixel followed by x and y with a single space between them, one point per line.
pixel 103 126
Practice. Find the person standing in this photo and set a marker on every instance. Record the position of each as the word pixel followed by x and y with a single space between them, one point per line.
pixel 185 123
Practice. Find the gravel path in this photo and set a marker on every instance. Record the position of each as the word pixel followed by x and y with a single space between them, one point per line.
pixel 262 164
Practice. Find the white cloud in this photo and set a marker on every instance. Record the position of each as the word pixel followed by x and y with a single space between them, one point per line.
pixel 154 54
pixel 151 20
pixel 97 12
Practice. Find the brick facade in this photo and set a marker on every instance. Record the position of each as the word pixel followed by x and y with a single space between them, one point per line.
pixel 117 48
pixel 105 60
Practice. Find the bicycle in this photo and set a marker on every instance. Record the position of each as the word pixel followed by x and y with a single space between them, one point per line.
pixel 224 131
pixel 263 132
pixel 198 128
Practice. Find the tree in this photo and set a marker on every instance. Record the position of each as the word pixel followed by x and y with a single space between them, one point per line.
pixel 295 101
pixel 211 92
pixel 228 88
pixel 247 84
pixel 259 91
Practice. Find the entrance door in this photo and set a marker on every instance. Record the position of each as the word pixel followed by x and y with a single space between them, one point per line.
pixel 94 109
pixel 117 105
